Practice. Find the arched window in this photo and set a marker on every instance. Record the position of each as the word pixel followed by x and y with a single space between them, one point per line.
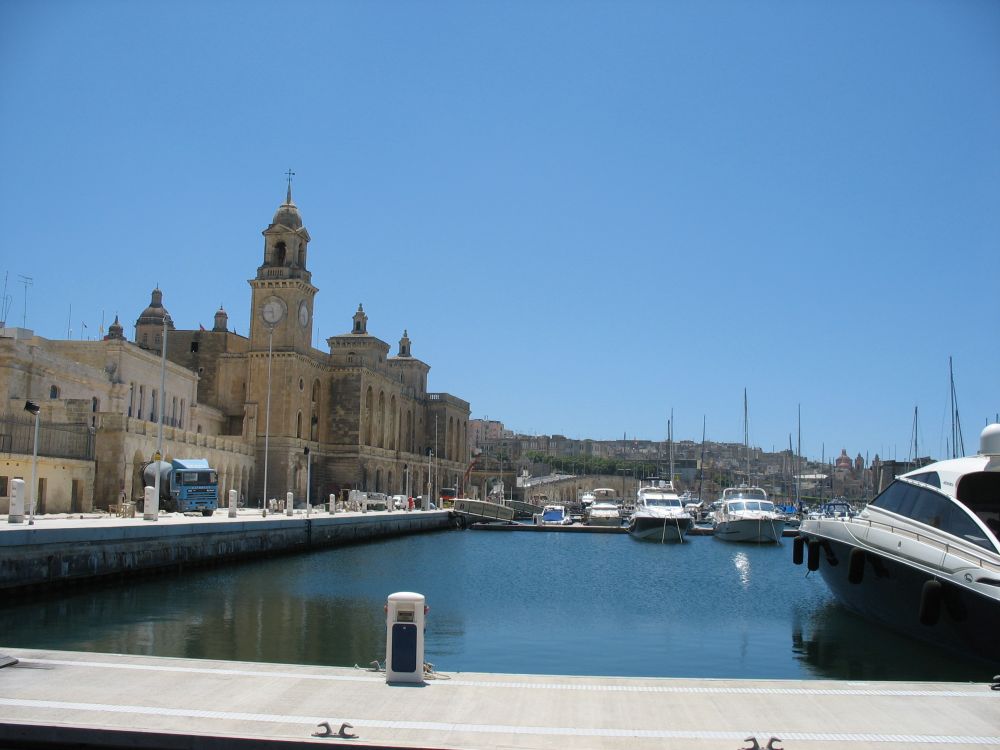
pixel 381 419
pixel 392 423
pixel 279 254
pixel 54 391
pixel 368 416
pixel 298 424
pixel 314 412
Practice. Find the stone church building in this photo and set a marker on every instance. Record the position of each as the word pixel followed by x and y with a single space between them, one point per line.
pixel 268 411
pixel 363 419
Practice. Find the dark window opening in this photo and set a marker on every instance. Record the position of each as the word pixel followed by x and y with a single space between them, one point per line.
pixel 194 347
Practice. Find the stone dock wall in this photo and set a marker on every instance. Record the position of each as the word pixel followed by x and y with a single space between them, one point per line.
pixel 34 558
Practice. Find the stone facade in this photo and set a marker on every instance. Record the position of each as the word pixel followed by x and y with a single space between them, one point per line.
pixel 268 411
pixel 110 390
pixel 365 417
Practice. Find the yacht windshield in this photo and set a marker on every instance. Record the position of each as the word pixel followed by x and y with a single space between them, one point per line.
pixel 737 506
pixel 746 494
pixel 663 502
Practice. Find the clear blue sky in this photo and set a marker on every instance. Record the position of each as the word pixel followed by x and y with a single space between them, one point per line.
pixel 585 213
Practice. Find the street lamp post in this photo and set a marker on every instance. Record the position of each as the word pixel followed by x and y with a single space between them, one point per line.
pixel 308 478
pixel 152 514
pixel 267 413
pixel 35 409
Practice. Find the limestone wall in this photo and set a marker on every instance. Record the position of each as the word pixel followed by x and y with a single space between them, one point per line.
pixel 66 485
pixel 35 557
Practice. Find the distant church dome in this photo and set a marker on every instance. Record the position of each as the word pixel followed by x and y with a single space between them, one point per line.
pixel 221 321
pixel 843 460
pixel 288 213
pixel 155 312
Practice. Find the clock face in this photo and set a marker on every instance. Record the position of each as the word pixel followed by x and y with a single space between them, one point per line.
pixel 303 314
pixel 272 311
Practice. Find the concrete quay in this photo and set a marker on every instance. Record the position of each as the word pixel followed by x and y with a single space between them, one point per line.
pixel 54 698
pixel 70 549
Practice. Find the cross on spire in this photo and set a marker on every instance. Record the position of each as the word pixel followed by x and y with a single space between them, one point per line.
pixel 289 175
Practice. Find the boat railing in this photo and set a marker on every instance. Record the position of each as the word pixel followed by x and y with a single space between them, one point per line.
pixel 946 547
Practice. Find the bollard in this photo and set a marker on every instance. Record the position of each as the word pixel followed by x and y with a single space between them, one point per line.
pixel 16 514
pixel 233 500
pixel 404 637
pixel 333 504
pixel 151 505
pixel 288 503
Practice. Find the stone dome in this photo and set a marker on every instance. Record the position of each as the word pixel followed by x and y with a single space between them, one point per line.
pixel 155 312
pixel 288 213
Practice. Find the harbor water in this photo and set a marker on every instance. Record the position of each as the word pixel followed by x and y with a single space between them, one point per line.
pixel 542 603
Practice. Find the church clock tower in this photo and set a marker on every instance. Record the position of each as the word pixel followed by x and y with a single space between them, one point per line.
pixel 282 303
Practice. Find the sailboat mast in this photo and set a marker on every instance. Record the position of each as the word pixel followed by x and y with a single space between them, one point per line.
pixel 701 468
pixel 670 444
pixel 798 462
pixel 746 433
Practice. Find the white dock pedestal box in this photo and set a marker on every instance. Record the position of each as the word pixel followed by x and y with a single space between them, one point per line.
pixel 404 637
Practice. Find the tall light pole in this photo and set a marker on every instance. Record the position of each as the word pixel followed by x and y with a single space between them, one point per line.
pixel 33 408
pixel 308 477
pixel 147 513
pixel 267 413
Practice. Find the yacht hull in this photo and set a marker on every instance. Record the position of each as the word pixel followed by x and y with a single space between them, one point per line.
pixel 655 529
pixel 604 521
pixel 760 531
pixel 895 593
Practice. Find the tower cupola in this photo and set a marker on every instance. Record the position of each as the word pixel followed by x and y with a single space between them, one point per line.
pixel 221 321
pixel 115 331
pixel 404 345
pixel 286 243
pixel 360 322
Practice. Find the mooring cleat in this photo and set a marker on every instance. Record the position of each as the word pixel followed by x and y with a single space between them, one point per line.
pixel 754 745
pixel 327 730
pixel 772 746
pixel 344 733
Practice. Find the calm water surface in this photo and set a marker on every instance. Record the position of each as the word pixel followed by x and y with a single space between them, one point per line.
pixel 585 604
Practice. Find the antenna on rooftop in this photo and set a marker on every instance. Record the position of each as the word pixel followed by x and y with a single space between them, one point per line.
pixel 27 281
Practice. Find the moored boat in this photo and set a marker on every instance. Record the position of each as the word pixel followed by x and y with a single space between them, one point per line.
pixel 553 515
pixel 746 515
pixel 604 509
pixel 659 513
pixel 924 556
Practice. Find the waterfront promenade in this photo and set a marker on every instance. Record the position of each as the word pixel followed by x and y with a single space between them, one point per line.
pixel 144 702
pixel 73 548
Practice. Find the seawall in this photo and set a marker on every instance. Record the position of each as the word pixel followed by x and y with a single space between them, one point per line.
pixel 53 553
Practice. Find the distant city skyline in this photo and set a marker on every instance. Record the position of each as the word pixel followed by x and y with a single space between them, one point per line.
pixel 584 214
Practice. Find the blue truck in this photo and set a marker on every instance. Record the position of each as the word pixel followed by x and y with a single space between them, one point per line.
pixel 186 485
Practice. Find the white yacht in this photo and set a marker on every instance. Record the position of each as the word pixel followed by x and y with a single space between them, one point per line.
pixel 746 515
pixel 924 556
pixel 659 513
pixel 604 509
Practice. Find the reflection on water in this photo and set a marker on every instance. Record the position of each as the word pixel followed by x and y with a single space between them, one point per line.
pixel 834 642
pixel 742 564
pixel 500 602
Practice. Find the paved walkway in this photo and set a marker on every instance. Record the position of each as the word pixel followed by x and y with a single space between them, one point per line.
pixel 187 703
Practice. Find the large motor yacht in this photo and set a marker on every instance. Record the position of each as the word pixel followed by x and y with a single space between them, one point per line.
pixel 924 556
pixel 604 510
pixel 746 515
pixel 659 513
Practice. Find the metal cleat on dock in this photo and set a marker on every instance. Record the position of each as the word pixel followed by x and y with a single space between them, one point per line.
pixel 754 745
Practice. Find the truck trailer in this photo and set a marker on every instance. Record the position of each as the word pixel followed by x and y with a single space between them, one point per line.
pixel 186 485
